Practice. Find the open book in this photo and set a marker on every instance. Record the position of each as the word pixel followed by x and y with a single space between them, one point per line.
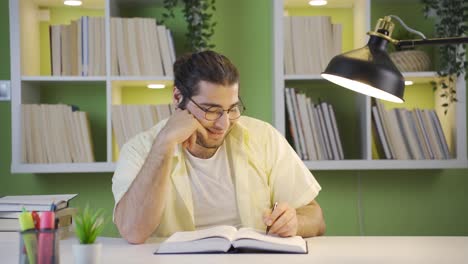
pixel 229 239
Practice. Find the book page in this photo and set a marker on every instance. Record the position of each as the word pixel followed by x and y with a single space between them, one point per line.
pixel 216 239
pixel 227 232
pixel 256 239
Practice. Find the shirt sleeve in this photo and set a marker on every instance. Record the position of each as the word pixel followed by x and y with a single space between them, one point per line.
pixel 290 180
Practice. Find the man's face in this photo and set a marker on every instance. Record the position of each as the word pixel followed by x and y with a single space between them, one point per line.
pixel 214 95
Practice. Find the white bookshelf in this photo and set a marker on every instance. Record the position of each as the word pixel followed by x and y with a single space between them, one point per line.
pixel 362 24
pixel 27 81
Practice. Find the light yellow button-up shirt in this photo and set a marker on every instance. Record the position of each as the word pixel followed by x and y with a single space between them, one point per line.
pixel 265 168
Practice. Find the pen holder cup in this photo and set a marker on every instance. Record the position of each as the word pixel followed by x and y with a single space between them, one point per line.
pixel 39 247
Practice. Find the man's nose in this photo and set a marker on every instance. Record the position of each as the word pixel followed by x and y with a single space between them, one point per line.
pixel 223 121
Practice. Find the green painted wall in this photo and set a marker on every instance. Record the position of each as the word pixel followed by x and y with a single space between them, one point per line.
pixel 393 202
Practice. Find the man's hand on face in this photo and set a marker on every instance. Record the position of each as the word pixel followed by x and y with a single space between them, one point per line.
pixel 182 127
pixel 282 221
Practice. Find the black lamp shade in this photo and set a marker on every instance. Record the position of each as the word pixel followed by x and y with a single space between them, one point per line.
pixel 368 70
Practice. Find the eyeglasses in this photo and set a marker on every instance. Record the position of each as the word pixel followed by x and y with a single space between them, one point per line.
pixel 213 113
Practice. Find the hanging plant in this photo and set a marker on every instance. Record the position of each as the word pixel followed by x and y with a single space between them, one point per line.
pixel 198 15
pixel 451 22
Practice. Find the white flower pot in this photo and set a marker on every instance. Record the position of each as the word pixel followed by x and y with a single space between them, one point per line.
pixel 87 253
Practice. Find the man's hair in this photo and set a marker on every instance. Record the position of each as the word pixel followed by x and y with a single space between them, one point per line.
pixel 208 66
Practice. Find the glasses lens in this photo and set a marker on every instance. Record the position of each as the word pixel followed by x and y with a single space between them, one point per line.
pixel 235 112
pixel 214 113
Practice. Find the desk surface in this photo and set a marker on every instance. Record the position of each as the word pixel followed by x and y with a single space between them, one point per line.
pixel 321 250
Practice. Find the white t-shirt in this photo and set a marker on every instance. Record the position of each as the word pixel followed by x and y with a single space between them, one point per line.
pixel 213 193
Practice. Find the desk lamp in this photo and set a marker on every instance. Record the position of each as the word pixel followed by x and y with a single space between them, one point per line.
pixel 370 71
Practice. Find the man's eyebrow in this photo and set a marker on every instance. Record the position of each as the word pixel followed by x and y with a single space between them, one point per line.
pixel 218 105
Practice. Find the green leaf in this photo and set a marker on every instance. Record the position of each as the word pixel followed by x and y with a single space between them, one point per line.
pixel 89 224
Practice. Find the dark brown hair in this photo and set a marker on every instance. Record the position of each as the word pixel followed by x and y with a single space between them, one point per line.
pixel 208 66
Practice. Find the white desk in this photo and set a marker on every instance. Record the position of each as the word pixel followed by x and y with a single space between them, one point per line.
pixel 321 250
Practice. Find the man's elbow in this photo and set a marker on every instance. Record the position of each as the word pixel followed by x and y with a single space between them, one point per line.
pixel 131 235
pixel 129 232
pixel 322 228
pixel 133 239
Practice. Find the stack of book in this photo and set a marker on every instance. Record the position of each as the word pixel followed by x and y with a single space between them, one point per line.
pixel 141 47
pixel 129 120
pixel 313 128
pixel 138 47
pixel 11 207
pixel 55 134
pixel 309 43
pixel 78 49
pixel 404 134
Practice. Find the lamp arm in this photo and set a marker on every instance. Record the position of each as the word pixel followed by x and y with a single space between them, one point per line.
pixel 434 41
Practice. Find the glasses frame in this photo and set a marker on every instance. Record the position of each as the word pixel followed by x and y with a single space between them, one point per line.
pixel 206 110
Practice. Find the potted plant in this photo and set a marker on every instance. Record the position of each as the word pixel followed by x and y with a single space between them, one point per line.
pixel 88 226
pixel 198 17
pixel 408 59
pixel 451 17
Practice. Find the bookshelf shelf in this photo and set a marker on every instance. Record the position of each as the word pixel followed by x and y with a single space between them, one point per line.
pixel 302 77
pixel 356 105
pixel 141 78
pixel 63 78
pixel 64 167
pixel 384 164
pixel 421 77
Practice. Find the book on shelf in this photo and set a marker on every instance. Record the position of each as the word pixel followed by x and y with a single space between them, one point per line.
pixel 78 49
pixel 15 203
pixel 300 125
pixel 314 128
pixel 317 131
pixel 307 127
pixel 227 239
pixel 321 123
pixel 129 120
pixel 309 43
pixel 138 47
pixel 292 121
pixel 55 134
pixel 380 134
pixel 336 133
pixel 409 134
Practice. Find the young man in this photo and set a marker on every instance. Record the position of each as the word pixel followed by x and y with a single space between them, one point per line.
pixel 207 165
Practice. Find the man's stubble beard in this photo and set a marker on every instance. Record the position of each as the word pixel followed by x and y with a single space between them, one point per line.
pixel 202 142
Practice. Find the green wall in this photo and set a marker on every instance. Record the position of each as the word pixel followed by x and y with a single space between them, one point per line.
pixel 392 202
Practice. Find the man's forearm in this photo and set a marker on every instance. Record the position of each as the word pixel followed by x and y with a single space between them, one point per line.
pixel 310 220
pixel 139 211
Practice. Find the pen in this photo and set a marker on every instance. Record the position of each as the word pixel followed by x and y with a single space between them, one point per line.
pixel 268 227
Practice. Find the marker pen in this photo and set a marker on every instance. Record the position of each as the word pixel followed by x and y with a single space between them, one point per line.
pixel 28 235
pixel 46 245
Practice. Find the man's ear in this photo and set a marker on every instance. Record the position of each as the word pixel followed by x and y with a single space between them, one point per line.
pixel 177 97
